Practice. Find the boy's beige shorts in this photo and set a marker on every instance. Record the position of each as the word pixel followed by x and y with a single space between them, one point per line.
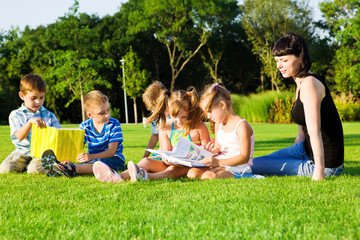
pixel 18 162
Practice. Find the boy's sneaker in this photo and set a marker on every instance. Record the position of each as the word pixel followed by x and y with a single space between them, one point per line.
pixel 136 173
pixel 105 174
pixel 48 159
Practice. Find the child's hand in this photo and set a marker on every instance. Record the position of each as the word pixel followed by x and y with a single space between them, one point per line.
pixel 38 122
pixel 83 157
pixel 211 148
pixel 211 162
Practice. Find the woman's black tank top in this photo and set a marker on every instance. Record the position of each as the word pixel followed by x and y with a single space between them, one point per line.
pixel 331 128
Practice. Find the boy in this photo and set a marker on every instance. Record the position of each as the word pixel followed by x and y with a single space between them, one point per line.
pixel 103 135
pixel 32 92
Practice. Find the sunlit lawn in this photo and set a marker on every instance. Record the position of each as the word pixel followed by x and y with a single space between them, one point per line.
pixel 38 207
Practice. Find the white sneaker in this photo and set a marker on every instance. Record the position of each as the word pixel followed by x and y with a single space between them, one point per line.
pixel 105 174
pixel 136 173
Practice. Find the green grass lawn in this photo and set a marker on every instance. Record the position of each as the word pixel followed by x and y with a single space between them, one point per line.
pixel 38 207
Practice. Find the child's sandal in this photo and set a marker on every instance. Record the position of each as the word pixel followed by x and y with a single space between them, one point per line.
pixel 48 159
pixel 66 171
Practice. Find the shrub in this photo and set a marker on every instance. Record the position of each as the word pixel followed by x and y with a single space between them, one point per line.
pixel 280 111
pixel 256 107
pixel 348 107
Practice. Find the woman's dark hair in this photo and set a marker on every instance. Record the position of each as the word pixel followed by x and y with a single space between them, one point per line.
pixel 293 44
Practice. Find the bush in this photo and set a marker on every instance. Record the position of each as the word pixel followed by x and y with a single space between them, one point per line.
pixel 348 107
pixel 256 107
pixel 280 111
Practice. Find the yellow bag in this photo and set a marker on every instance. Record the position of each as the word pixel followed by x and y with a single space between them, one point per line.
pixel 66 143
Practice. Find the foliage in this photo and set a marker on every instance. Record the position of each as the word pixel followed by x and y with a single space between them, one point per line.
pixel 74 65
pixel 348 107
pixel 257 107
pixel 265 21
pixel 275 207
pixel 344 20
pixel 280 111
pixel 136 79
pixel 182 26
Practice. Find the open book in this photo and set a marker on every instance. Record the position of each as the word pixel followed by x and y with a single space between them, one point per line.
pixel 66 143
pixel 186 154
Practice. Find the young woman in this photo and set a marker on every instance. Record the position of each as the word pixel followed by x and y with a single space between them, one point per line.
pixel 319 146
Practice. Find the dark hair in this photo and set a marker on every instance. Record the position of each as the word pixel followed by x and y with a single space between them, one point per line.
pixel 293 44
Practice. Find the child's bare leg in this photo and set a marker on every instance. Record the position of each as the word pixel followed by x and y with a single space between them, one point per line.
pixel 84 168
pixel 196 172
pixel 171 172
pixel 79 168
pixel 218 172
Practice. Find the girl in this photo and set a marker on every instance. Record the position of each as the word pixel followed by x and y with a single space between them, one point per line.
pixel 185 113
pixel 155 99
pixel 234 139
pixel 319 146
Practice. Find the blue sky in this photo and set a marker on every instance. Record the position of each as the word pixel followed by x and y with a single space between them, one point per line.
pixel 42 12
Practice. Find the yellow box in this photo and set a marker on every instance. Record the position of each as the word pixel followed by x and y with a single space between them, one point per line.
pixel 66 143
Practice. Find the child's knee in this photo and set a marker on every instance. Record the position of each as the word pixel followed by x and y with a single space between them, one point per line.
pixel 15 162
pixel 35 166
pixel 194 173
pixel 208 175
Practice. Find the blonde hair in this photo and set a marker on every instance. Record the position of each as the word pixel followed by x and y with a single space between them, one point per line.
pixel 94 98
pixel 155 98
pixel 32 82
pixel 187 101
pixel 212 96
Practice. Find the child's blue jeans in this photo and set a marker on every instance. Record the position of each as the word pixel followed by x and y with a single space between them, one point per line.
pixel 115 162
pixel 291 161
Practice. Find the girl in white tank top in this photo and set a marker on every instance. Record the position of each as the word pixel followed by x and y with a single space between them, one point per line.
pixel 234 139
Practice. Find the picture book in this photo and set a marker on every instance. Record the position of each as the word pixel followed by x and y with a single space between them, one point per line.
pixel 186 153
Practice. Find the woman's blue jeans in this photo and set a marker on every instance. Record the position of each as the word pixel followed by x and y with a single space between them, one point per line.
pixel 291 161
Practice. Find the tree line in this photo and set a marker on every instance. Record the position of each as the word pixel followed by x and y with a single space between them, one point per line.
pixel 180 43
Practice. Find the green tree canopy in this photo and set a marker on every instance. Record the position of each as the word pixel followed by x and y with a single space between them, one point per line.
pixel 343 17
pixel 265 21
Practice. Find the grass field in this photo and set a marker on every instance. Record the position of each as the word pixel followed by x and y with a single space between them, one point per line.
pixel 38 207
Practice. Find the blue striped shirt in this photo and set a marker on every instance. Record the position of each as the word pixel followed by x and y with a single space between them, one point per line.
pixel 99 142
pixel 20 117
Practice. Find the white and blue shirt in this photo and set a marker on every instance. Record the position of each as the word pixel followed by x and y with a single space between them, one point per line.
pixel 99 142
pixel 20 117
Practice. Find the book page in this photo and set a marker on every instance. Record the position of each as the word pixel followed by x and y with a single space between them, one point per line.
pixel 188 150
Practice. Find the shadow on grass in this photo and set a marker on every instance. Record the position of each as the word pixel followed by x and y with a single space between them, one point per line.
pixel 270 145
pixel 352 168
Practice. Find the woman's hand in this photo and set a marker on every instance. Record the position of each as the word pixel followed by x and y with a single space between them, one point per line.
pixel 318 174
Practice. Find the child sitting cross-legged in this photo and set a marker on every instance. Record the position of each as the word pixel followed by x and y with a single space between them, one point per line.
pixel 32 111
pixel 234 139
pixel 185 113
pixel 103 135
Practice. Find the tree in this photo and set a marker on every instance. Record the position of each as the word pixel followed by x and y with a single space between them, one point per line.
pixel 217 42
pixel 344 20
pixel 136 79
pixel 182 26
pixel 75 63
pixel 265 21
